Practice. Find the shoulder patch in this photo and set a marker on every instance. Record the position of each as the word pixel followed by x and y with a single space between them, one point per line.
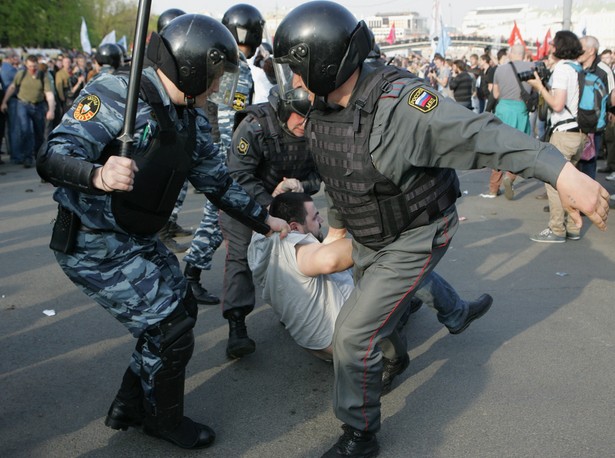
pixel 87 108
pixel 239 101
pixel 423 100
pixel 243 146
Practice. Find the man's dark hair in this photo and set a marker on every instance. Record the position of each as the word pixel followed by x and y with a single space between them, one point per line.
pixel 605 52
pixel 567 45
pixel 461 65
pixel 486 58
pixel 501 53
pixel 290 206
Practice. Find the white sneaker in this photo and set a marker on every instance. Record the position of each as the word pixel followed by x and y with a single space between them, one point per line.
pixel 610 177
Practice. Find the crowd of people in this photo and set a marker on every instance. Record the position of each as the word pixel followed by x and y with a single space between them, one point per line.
pixel 484 83
pixel 36 90
pixel 258 129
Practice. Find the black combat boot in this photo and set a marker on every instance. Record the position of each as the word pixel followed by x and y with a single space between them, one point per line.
pixel 167 238
pixel 391 369
pixel 175 230
pixel 355 443
pixel 202 296
pixel 165 419
pixel 127 408
pixel 239 344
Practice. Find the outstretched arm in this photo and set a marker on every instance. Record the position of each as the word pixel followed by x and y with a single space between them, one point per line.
pixel 316 259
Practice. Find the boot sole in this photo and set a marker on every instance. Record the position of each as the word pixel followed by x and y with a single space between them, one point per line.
pixel 120 425
pixel 238 353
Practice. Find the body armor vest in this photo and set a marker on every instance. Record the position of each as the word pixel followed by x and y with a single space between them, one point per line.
pixel 163 169
pixel 285 155
pixel 374 209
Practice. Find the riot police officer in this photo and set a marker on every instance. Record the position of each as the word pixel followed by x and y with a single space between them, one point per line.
pixel 108 58
pixel 383 143
pixel 268 156
pixel 167 16
pixel 246 24
pixel 110 208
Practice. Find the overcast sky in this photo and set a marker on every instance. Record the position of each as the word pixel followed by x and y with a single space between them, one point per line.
pixel 453 11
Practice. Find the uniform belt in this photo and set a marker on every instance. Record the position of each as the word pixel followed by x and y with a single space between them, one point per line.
pixel 177 316
pixel 90 230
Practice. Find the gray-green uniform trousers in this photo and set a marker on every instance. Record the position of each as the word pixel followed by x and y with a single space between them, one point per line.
pixel 415 127
pixel 372 312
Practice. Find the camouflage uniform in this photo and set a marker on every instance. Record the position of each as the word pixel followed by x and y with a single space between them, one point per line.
pixel 259 159
pixel 208 237
pixel 135 278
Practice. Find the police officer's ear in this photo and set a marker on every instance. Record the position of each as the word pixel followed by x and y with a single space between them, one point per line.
pixel 160 57
pixel 361 44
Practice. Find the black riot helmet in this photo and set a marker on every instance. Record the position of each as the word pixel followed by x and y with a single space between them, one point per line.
pixel 192 51
pixel 246 24
pixel 167 16
pixel 323 43
pixel 295 101
pixel 109 54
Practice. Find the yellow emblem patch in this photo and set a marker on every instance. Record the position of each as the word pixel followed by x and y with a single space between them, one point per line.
pixel 239 102
pixel 87 108
pixel 423 100
pixel 243 146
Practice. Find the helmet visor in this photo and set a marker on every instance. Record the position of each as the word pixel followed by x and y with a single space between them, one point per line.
pixel 292 93
pixel 227 86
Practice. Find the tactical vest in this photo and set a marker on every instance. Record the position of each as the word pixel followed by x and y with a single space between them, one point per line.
pixel 163 169
pixel 285 155
pixel 374 210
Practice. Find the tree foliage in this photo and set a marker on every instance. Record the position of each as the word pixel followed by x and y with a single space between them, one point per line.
pixel 57 23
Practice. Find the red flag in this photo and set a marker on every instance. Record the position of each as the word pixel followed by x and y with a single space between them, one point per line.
pixel 544 49
pixel 515 36
pixel 535 56
pixel 391 38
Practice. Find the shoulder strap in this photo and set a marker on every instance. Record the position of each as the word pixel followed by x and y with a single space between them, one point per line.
pixel 521 88
pixel 21 74
pixel 150 95
pixel 368 98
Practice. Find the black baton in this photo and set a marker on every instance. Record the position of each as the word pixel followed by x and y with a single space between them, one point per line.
pixel 135 77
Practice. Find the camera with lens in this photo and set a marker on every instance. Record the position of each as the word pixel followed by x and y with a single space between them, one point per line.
pixel 540 68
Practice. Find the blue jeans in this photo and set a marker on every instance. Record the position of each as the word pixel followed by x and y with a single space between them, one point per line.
pixel 31 119
pixel 13 131
pixel 588 167
pixel 437 293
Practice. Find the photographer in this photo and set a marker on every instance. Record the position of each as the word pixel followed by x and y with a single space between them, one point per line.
pixel 441 75
pixel 563 100
pixel 511 109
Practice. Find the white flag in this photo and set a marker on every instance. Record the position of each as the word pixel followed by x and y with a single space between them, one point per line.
pixel 109 38
pixel 85 41
pixel 123 43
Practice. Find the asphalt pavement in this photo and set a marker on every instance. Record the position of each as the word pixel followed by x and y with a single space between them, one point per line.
pixel 535 377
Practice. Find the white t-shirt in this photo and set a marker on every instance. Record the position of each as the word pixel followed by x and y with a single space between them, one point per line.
pixel 307 306
pixel 262 85
pixel 565 77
